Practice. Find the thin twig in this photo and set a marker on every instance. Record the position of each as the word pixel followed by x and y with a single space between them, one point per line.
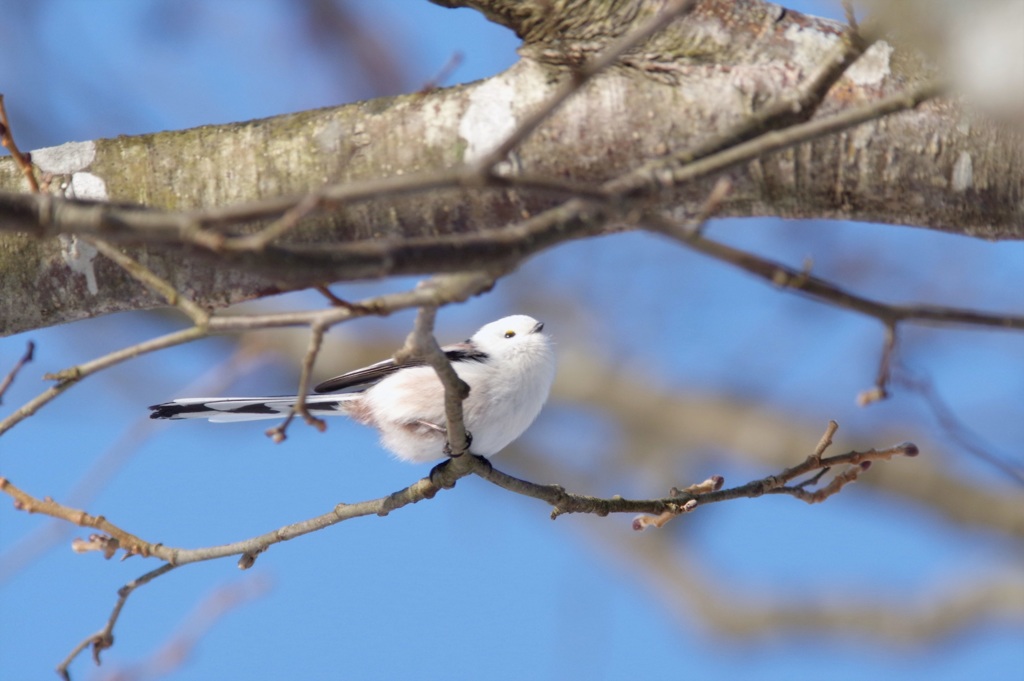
pixel 850 15
pixel 9 378
pixel 956 430
pixel 69 377
pixel 802 281
pixel 444 476
pixel 316 339
pixel 152 281
pixel 826 439
pixel 880 390
pixel 334 300
pixel 454 62
pixel 441 477
pixel 176 650
pixel 564 502
pixel 104 638
pixel 281 226
pixel 454 287
pixel 23 160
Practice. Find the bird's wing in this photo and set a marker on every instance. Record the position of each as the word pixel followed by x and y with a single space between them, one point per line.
pixel 361 379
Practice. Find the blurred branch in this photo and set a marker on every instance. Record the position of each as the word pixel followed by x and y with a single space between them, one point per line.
pixel 801 281
pixel 104 638
pixel 342 36
pixel 891 315
pixel 147 278
pixel 23 160
pixel 954 426
pixel 30 349
pixel 690 592
pixel 176 651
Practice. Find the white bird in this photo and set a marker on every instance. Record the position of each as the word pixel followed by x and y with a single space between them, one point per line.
pixel 509 366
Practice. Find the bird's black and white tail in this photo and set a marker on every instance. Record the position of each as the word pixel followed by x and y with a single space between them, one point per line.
pixel 227 409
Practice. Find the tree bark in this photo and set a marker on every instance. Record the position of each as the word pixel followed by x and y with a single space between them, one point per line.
pixel 937 166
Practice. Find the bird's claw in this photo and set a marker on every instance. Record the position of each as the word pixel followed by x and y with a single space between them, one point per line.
pixel 448 445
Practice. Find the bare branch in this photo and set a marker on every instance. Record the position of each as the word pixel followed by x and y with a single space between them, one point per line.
pixel 801 281
pixel 28 549
pixel 443 289
pixel 175 651
pixel 954 426
pixel 72 375
pixel 670 420
pixel 104 638
pixel 880 390
pixel 444 476
pixel 316 338
pixel 132 545
pixel 564 502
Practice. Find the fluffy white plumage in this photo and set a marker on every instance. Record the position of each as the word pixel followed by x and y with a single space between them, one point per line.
pixel 508 364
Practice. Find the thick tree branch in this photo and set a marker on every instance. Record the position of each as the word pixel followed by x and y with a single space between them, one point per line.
pixel 911 172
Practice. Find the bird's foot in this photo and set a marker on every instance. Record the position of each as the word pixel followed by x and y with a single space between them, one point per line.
pixel 448 445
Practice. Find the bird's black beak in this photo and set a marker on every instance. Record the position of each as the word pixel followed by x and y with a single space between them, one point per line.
pixel 538 328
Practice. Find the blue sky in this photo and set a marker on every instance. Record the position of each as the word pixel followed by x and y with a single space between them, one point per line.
pixel 478 583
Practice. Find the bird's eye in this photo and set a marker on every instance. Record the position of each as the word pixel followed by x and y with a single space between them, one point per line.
pixel 510 334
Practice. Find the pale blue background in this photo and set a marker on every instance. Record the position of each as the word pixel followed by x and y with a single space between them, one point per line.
pixel 478 583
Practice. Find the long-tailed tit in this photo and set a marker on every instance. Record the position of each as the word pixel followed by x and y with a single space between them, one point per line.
pixel 509 366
